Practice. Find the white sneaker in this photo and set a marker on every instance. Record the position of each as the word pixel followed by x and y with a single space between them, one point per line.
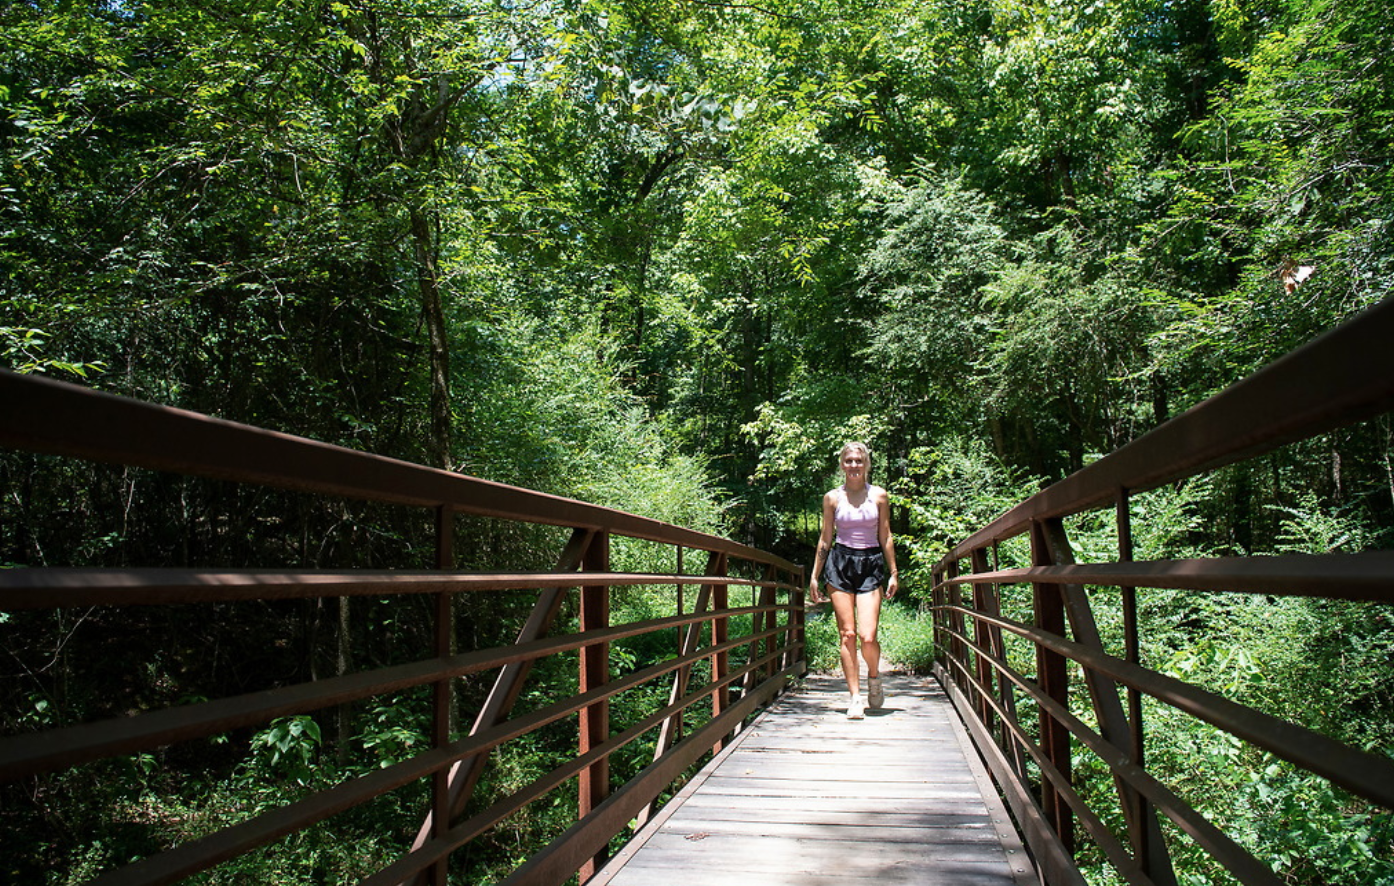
pixel 856 709
pixel 877 696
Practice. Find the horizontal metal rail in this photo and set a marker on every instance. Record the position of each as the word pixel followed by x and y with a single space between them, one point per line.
pixel 52 749
pixel 588 836
pixel 200 855
pixel 1234 857
pixel 1365 576
pixel 63 588
pixel 1364 775
pixel 1339 379
pixel 43 415
pixel 53 418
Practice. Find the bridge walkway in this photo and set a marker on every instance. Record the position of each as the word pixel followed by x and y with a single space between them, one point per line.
pixel 805 796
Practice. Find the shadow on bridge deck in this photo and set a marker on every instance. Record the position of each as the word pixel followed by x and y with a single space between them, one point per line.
pixel 805 796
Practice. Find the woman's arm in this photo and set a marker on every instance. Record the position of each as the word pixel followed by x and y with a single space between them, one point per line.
pixel 883 535
pixel 825 543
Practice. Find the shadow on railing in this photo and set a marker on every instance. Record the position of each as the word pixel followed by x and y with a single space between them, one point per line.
pixel 1342 378
pixel 737 674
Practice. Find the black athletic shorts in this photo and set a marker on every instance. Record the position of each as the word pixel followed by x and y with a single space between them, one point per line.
pixel 854 569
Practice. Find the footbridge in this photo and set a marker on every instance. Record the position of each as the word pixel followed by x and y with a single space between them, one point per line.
pixel 689 745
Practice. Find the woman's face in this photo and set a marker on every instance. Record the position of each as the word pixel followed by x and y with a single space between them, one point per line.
pixel 854 464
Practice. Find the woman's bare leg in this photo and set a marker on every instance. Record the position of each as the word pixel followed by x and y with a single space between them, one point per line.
pixel 845 608
pixel 868 620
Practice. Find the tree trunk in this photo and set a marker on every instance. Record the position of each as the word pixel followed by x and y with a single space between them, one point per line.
pixel 343 651
pixel 428 282
pixel 438 446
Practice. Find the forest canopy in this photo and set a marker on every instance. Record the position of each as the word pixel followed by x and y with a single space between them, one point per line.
pixel 560 243
pixel 668 255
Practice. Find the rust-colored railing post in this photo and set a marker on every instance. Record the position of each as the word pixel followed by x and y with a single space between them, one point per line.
pixel 595 672
pixel 672 728
pixel 798 619
pixel 678 631
pixel 770 597
pixel 1131 642
pixel 1007 691
pixel 1142 836
pixel 1108 709
pixel 763 600
pixel 1052 675
pixel 940 597
pixel 935 579
pixel 984 601
pixel 508 685
pixel 721 661
pixel 442 693
pixel 956 623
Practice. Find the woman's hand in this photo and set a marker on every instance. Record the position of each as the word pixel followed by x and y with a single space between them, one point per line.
pixel 814 595
pixel 892 586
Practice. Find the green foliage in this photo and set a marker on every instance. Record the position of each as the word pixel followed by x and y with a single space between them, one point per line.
pixel 24 349
pixel 1307 528
pixel 1308 830
pixel 820 632
pixel 905 633
pixel 1315 833
pixel 668 257
pixel 948 492
pixel 287 748
pixel 907 637
pixel 939 247
pixel 1283 177
pixel 394 731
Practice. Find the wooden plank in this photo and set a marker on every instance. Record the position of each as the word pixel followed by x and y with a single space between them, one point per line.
pixel 867 831
pixel 806 796
pixel 964 875
pixel 836 813
pixel 872 807
pixel 909 766
pixel 756 853
pixel 749 786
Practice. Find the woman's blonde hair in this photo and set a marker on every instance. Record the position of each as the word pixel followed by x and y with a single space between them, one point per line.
pixel 856 445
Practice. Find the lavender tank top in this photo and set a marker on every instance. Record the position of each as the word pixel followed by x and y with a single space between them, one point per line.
pixel 856 527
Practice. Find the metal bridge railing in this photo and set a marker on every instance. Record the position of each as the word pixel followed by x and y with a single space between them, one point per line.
pixel 1339 379
pixel 44 416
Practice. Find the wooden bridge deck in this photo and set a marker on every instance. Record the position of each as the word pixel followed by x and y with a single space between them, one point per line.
pixel 805 796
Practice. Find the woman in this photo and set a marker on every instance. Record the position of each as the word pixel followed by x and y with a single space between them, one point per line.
pixel 854 568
